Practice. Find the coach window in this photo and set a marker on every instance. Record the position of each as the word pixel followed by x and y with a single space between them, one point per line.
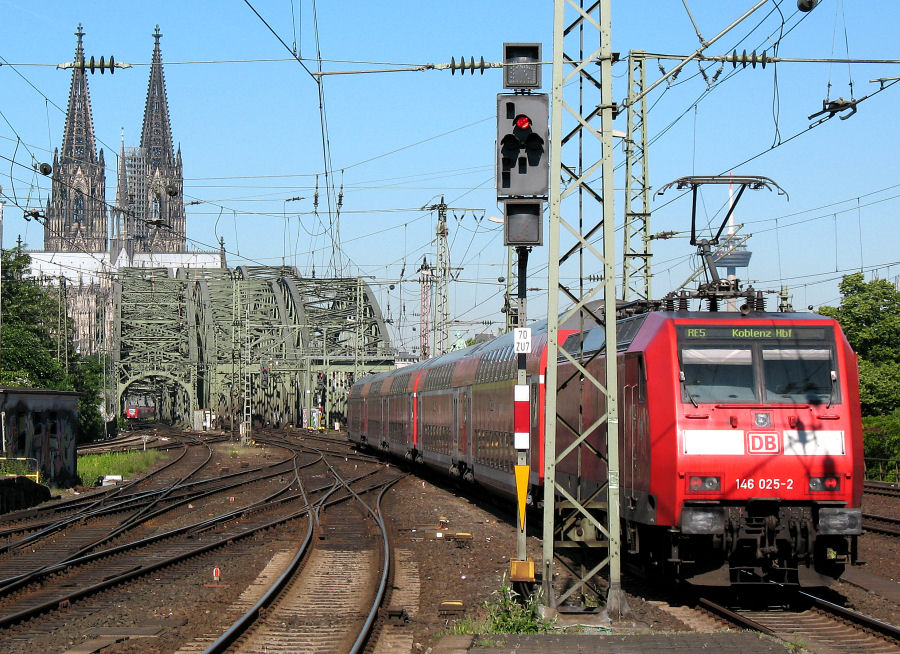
pixel 717 375
pixel 799 375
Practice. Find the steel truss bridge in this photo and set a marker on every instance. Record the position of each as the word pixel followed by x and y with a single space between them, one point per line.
pixel 252 345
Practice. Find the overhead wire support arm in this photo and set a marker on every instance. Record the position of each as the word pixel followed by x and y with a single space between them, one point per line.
pixel 685 61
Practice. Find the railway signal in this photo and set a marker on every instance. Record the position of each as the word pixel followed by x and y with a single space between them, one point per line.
pixel 522 145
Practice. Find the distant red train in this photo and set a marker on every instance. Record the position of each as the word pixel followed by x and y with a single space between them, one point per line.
pixel 140 413
pixel 740 436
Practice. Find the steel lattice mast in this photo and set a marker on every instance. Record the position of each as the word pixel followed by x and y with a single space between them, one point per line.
pixel 636 252
pixel 581 147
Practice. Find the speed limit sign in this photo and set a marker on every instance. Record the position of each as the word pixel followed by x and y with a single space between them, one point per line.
pixel 522 340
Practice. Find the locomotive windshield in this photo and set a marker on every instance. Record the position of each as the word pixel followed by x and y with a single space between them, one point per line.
pixel 785 365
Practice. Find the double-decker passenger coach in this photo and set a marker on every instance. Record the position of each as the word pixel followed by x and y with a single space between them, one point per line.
pixel 740 436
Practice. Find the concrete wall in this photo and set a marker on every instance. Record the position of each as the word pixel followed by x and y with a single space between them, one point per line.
pixel 40 424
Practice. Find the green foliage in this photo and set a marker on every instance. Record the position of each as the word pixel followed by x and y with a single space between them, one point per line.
pixel 86 377
pixel 507 614
pixel 14 467
pixel 34 328
pixel 26 359
pixel 870 317
pixel 879 387
pixel 882 446
pixel 93 466
pixel 37 347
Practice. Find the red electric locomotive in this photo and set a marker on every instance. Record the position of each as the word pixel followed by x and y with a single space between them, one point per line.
pixel 740 436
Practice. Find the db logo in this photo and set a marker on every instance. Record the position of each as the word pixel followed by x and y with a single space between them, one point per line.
pixel 762 443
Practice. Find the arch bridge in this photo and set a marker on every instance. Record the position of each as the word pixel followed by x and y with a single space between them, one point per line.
pixel 253 344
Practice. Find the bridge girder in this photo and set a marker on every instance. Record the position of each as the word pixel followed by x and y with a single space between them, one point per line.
pixel 250 343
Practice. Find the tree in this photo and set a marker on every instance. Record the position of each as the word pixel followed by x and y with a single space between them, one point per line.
pixel 36 346
pixel 869 314
pixel 34 329
pixel 87 378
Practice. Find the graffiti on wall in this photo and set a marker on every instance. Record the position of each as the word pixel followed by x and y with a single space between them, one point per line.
pixel 47 436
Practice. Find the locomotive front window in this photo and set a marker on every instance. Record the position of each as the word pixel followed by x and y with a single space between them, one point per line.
pixel 798 375
pixel 780 364
pixel 717 375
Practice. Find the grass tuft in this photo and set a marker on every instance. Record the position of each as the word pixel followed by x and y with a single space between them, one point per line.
pixel 93 466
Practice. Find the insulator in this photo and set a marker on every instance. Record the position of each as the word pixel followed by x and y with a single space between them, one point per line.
pixel 670 302
pixel 462 65
pixel 91 65
pixel 683 301
pixel 713 303
pixel 760 301
pixel 743 59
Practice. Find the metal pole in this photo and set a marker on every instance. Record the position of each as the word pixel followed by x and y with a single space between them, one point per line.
pixel 615 600
pixel 549 518
pixel 522 383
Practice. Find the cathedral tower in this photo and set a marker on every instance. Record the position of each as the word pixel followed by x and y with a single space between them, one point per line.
pixel 154 173
pixel 76 214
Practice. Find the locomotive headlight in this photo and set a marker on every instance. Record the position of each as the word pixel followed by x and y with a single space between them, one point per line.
pixel 825 483
pixel 847 522
pixel 699 484
pixel 702 520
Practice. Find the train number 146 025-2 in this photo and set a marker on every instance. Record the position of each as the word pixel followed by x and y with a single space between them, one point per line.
pixel 765 483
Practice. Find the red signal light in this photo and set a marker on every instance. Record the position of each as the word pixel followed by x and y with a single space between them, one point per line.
pixel 831 483
pixel 523 121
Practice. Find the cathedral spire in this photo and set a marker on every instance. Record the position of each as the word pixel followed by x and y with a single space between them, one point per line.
pixel 121 208
pixel 156 136
pixel 160 218
pixel 76 216
pixel 78 136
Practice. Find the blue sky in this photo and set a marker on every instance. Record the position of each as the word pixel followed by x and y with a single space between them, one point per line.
pixel 251 134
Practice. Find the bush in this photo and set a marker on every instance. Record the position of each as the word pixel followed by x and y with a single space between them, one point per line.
pixel 881 442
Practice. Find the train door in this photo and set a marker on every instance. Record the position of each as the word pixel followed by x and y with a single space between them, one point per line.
pixel 410 422
pixel 454 428
pixel 463 422
pixel 385 418
pixel 635 445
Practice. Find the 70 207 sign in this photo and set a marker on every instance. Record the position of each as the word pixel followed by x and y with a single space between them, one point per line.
pixel 522 340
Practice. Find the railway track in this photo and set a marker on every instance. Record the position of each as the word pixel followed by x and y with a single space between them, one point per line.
pixel 813 624
pixel 298 501
pixel 881 524
pixel 328 596
pixel 891 489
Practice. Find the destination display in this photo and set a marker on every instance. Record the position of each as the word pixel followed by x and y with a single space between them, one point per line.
pixel 739 333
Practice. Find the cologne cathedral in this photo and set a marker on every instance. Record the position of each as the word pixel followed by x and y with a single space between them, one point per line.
pixel 87 239
pixel 148 214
